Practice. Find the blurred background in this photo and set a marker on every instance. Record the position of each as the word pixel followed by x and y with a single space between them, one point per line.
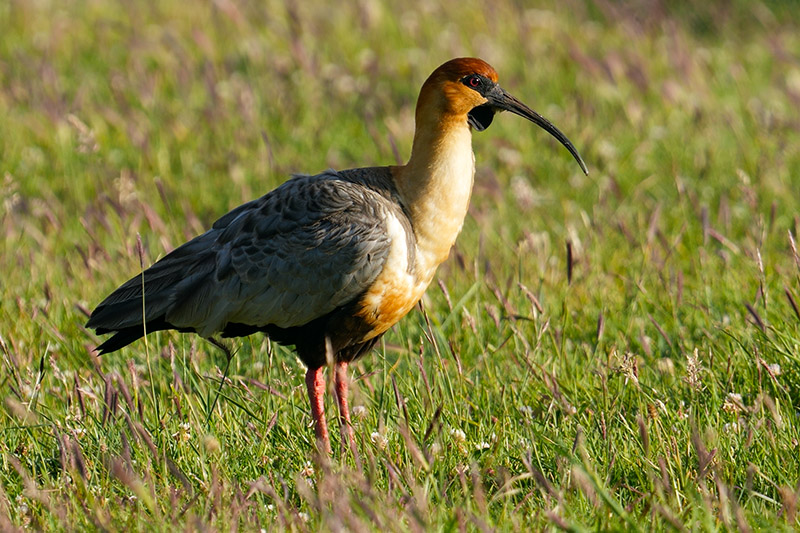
pixel 571 306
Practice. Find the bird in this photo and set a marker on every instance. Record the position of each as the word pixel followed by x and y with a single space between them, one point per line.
pixel 327 263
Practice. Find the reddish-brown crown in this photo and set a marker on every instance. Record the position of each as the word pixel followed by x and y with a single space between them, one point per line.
pixel 455 69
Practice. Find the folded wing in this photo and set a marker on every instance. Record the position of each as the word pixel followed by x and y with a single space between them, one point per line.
pixel 314 244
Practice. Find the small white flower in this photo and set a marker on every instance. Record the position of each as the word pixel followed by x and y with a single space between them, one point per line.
pixel 379 440
pixel 23 508
pixel 775 368
pixel 25 390
pixel 733 403
pixel 734 427
pixel 483 446
pixel 359 412
pixel 184 433
pixel 682 414
pixel 458 436
pixel 304 517
pixel 308 470
pixel 661 406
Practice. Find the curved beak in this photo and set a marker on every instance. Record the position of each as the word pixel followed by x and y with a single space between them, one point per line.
pixel 501 100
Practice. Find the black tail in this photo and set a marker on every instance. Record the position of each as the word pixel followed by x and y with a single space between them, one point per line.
pixel 166 285
pixel 120 339
pixel 124 336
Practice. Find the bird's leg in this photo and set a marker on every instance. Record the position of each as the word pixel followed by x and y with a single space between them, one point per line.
pixel 341 386
pixel 229 355
pixel 315 382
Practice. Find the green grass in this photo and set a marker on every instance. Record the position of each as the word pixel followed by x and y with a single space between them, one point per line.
pixel 657 389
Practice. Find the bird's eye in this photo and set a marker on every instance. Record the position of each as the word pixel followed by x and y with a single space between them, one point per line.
pixel 473 81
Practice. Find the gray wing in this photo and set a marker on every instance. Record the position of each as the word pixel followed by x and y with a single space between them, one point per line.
pixel 299 252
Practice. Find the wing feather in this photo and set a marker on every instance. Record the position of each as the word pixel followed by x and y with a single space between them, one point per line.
pixel 311 245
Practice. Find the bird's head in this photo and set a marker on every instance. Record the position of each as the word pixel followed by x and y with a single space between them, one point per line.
pixel 466 88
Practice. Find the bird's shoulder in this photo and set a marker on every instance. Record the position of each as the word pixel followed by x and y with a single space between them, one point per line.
pixel 333 220
pixel 348 199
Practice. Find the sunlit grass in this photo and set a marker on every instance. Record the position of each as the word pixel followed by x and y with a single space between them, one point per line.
pixel 648 378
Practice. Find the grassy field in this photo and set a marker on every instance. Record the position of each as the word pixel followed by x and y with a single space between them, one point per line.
pixel 647 379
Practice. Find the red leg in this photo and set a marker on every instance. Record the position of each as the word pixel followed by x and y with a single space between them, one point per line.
pixel 315 382
pixel 342 386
